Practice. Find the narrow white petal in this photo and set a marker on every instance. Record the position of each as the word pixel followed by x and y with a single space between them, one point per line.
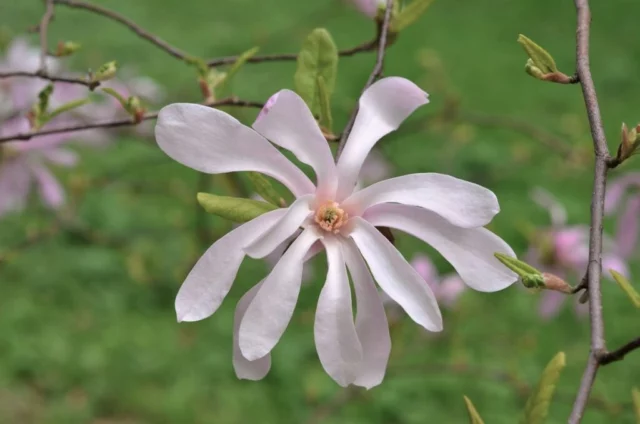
pixel 371 320
pixel 469 250
pixel 212 276
pixel 460 202
pixel 288 122
pixel 396 276
pixel 248 370
pixel 270 312
pixel 382 108
pixel 212 141
pixel 282 230
pixel 335 334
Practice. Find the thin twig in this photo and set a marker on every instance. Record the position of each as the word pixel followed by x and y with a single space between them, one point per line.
pixel 375 74
pixel 598 345
pixel 364 47
pixel 620 353
pixel 231 101
pixel 142 33
pixel 70 80
pixel 43 27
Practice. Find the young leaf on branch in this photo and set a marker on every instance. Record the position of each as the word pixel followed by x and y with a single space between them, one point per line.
pixel 626 286
pixel 540 64
pixel 537 407
pixel 317 59
pixel 409 14
pixel 474 416
pixel 233 208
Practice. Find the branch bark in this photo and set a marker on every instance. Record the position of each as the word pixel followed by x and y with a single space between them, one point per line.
pixel 620 353
pixel 70 80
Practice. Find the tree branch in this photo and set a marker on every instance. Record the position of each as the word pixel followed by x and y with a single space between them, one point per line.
pixel 620 353
pixel 70 80
pixel 142 33
pixel 231 101
pixel 602 160
pixel 44 45
pixel 375 74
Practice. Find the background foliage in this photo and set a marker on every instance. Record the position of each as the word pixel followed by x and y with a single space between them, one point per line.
pixel 87 328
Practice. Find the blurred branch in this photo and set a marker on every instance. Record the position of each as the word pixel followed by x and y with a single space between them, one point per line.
pixel 231 101
pixel 364 47
pixel 43 28
pixel 620 353
pixel 39 74
pixel 603 161
pixel 375 74
pixel 142 33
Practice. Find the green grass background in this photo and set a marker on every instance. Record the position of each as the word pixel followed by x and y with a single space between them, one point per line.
pixel 87 326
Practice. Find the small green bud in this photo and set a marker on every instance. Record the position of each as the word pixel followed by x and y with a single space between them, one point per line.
pixel 105 72
pixel 67 48
pixel 540 64
pixel 629 141
pixel 135 109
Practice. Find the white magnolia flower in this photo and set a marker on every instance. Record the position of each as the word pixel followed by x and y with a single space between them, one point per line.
pixel 445 212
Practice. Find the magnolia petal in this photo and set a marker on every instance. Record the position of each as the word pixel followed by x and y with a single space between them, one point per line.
pixel 469 250
pixel 247 370
pixel 395 276
pixel 460 202
pixel 282 230
pixel 270 311
pixel 616 190
pixel 15 180
pixel 382 108
pixel 288 122
pixel 628 227
pixel 368 7
pixel 335 334
pixel 450 289
pixel 209 140
pixel 61 157
pixel 51 191
pixel 212 276
pixel 425 268
pixel 371 321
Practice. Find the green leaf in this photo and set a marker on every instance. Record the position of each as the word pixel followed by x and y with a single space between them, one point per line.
pixel 541 59
pixel 318 58
pixel 626 286
pixel 242 59
pixel 474 417
pixel 234 209
pixel 409 14
pixel 326 120
pixel 635 395
pixel 537 407
pixel 263 187
pixel 64 108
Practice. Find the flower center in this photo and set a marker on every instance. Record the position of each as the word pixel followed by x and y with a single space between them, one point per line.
pixel 330 217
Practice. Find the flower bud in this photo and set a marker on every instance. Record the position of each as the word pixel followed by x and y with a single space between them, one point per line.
pixel 66 48
pixel 555 283
pixel 629 141
pixel 105 72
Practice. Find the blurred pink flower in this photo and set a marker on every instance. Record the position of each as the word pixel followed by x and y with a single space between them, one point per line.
pixel 447 288
pixel 564 251
pixel 25 162
pixel 369 7
pixel 628 226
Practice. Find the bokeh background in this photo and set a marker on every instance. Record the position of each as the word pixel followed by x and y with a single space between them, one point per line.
pixel 87 326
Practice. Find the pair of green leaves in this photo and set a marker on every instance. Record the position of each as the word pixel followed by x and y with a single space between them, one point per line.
pixel 541 64
pixel 40 113
pixel 537 406
pixel 407 15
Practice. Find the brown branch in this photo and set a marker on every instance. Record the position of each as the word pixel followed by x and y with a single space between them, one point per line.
pixel 602 163
pixel 364 47
pixel 620 353
pixel 231 101
pixel 70 80
pixel 43 27
pixel 375 74
pixel 142 33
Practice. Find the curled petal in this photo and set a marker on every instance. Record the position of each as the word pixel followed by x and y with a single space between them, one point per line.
pixel 282 230
pixel 469 250
pixel 382 108
pixel 270 311
pixel 460 202
pixel 335 334
pixel 395 276
pixel 211 141
pixel 248 370
pixel 288 122
pixel 212 276
pixel 371 321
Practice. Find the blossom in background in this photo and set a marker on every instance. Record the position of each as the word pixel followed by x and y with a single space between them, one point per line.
pixel 444 211
pixel 618 197
pixel 24 163
pixel 446 288
pixel 563 250
pixel 369 7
